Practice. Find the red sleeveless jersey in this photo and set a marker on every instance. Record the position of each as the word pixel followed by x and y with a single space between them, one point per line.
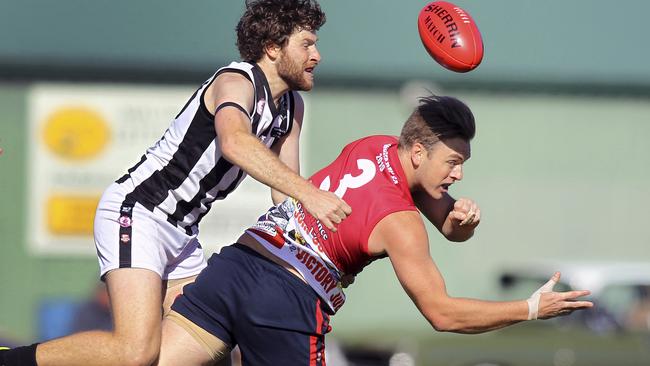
pixel 368 176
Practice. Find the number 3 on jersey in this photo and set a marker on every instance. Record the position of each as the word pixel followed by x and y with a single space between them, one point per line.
pixel 368 171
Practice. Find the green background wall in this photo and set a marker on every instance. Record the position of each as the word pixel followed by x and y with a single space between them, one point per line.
pixel 557 177
pixel 586 42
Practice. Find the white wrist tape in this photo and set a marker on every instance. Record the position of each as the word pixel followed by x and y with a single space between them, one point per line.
pixel 533 300
pixel 533 305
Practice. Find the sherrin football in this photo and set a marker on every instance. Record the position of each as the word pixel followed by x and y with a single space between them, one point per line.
pixel 451 36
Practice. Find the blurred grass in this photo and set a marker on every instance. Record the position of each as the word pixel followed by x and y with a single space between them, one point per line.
pixel 530 344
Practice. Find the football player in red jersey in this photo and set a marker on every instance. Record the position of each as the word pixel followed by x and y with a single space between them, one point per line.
pixel 273 291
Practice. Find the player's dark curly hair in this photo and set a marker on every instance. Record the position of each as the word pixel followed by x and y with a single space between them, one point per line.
pixel 272 22
pixel 437 118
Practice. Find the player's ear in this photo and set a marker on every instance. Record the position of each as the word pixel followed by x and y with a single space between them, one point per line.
pixel 272 51
pixel 417 154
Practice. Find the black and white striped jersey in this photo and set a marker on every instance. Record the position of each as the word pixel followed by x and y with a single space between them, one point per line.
pixel 185 171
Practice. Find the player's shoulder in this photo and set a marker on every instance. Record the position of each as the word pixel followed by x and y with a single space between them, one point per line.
pixel 246 67
pixel 233 82
pixel 402 227
pixel 235 72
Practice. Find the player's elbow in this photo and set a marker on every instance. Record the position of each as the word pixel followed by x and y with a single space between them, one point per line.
pixel 139 352
pixel 442 323
pixel 443 319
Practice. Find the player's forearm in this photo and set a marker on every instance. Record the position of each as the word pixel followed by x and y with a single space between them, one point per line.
pixel 437 211
pixel 456 233
pixel 461 315
pixel 247 152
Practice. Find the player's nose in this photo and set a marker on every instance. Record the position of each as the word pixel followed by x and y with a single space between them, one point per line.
pixel 457 172
pixel 315 55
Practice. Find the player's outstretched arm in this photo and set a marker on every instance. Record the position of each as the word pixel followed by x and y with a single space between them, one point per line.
pixel 455 219
pixel 242 148
pixel 403 236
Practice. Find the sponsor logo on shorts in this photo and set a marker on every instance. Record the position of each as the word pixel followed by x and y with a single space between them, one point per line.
pixel 266 227
pixel 318 269
pixel 124 221
pixel 260 106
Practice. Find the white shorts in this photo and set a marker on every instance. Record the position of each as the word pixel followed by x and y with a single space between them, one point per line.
pixel 134 237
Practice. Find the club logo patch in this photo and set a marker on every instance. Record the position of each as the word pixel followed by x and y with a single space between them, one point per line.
pixel 124 221
pixel 260 106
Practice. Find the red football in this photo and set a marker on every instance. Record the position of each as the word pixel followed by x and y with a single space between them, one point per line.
pixel 451 36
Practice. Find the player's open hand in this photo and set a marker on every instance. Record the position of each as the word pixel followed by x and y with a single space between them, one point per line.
pixel 327 207
pixel 552 304
pixel 465 213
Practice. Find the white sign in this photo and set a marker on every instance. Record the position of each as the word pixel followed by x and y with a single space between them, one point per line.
pixel 84 137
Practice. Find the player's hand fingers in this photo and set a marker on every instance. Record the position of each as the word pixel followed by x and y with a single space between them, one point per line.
pixel 570 295
pixel 575 305
pixel 460 205
pixel 328 224
pixel 548 286
pixel 457 215
pixel 347 210
pixel 335 217
pixel 472 218
pixel 469 218
pixel 340 213
pixel 465 205
pixel 571 306
pixel 341 208
pixel 466 211
pixel 477 215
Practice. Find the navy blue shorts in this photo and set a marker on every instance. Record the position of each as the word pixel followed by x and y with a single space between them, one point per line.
pixel 245 299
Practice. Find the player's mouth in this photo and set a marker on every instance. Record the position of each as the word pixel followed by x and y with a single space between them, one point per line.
pixel 309 74
pixel 445 187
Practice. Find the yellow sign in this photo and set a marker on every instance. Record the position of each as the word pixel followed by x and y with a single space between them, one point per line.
pixel 71 215
pixel 76 133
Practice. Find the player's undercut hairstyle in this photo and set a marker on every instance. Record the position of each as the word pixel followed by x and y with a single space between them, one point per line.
pixel 272 22
pixel 437 118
